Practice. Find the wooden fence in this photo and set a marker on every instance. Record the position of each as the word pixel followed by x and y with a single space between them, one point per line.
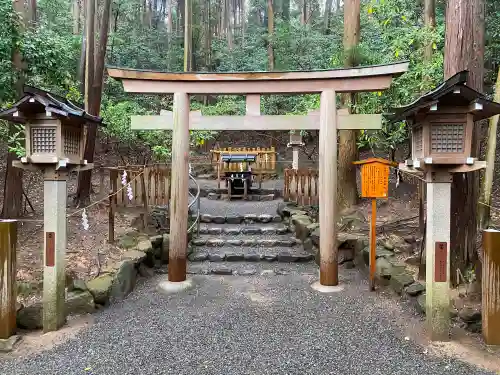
pixel 150 187
pixel 302 186
pixel 265 161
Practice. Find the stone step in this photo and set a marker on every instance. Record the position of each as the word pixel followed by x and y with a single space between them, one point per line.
pixel 253 269
pixel 250 197
pixel 258 241
pixel 245 229
pixel 240 219
pixel 238 254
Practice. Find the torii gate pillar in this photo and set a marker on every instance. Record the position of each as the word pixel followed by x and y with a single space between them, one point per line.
pixel 328 267
pixel 179 212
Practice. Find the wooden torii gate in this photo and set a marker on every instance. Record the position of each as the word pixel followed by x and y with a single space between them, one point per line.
pixel 253 84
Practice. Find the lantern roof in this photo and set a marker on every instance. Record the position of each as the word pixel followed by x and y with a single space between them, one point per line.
pixel 36 100
pixel 452 93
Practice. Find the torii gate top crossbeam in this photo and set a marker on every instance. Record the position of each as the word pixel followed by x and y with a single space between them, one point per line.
pixel 370 78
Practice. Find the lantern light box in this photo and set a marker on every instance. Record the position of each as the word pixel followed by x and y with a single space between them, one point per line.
pixel 295 139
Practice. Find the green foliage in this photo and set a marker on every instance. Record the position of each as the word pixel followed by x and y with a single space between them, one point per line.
pixel 391 30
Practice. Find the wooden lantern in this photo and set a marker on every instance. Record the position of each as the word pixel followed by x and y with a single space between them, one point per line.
pixel 295 139
pixel 375 177
pixel 53 127
pixel 442 123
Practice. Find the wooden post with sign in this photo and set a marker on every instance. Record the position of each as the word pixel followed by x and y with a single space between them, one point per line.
pixel 374 184
pixel 8 291
pixel 491 287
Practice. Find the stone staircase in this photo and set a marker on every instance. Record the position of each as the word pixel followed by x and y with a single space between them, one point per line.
pixel 244 245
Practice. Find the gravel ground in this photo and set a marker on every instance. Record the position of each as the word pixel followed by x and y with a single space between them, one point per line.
pixel 244 325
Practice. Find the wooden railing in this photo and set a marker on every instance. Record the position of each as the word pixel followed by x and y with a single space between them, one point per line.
pixel 265 162
pixel 150 185
pixel 302 186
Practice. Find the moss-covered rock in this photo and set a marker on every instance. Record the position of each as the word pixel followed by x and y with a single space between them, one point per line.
pixel 301 223
pixel 124 280
pixel 100 288
pixel 79 302
pixel 30 317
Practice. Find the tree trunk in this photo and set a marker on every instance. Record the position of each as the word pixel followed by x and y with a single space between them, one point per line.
pixel 430 22
pixel 326 17
pixel 76 17
pixel 13 192
pixel 464 49
pixel 303 12
pixel 485 199
pixel 85 177
pixel 270 32
pixel 286 10
pixel 188 39
pixel 169 34
pixel 227 24
pixel 348 149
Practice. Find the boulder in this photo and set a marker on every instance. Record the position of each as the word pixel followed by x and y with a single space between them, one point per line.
pixel 308 245
pixel 301 223
pixel 79 285
pixel 156 240
pixel 7 345
pixel 284 209
pixel 145 271
pixel 145 246
pixel 383 270
pixel 415 289
pixel 100 288
pixel 135 256
pixel 30 317
pixel 80 303
pixel 130 239
pixel 396 266
pixel 470 314
pixel 315 237
pixel 165 248
pixel 124 280
pixel 352 219
pixel 380 253
pixel 400 281
pixel 420 303
pixel 396 243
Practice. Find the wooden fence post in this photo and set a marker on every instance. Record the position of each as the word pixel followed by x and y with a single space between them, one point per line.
pixel 111 218
pixel 8 290
pixel 491 287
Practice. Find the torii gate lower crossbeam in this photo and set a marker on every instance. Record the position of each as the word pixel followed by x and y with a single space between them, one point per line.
pixel 327 83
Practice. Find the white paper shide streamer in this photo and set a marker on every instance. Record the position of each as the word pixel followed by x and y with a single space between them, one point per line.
pixel 85 220
pixel 130 194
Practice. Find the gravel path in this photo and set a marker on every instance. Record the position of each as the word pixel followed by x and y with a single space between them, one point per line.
pixel 265 324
